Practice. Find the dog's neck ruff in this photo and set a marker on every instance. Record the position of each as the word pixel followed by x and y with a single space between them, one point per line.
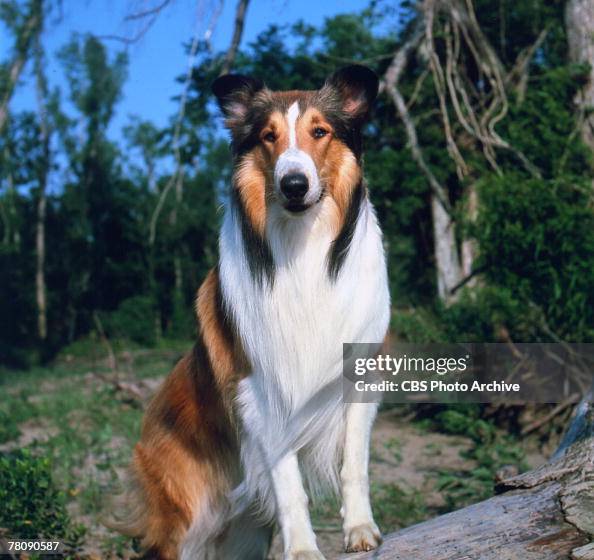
pixel 257 247
pixel 326 290
pixel 302 288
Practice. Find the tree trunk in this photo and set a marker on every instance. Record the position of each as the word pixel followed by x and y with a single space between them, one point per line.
pixel 23 43
pixel 469 248
pixel 447 262
pixel 40 287
pixel 13 235
pixel 544 514
pixel 177 267
pixel 40 290
pixel 579 21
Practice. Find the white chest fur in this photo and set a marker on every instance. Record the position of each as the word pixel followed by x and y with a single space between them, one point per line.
pixel 293 331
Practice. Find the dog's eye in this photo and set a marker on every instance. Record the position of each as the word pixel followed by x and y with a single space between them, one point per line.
pixel 269 137
pixel 319 132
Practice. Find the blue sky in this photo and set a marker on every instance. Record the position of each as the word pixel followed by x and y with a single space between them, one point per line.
pixel 158 58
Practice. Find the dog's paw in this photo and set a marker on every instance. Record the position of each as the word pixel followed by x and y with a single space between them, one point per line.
pixel 362 538
pixel 304 555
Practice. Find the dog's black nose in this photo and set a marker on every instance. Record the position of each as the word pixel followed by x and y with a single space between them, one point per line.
pixel 294 186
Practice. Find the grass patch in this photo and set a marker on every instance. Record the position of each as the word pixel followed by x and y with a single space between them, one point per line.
pixel 490 451
pixel 394 446
pixel 395 508
pixel 79 433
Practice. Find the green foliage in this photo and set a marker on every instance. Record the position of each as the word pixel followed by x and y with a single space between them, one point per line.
pixel 490 451
pixel 134 320
pixel 536 247
pixel 95 83
pixel 537 243
pixel 83 432
pixel 14 411
pixel 417 325
pixel 9 429
pixel 32 506
pixel 481 313
pixel 544 125
pixel 394 508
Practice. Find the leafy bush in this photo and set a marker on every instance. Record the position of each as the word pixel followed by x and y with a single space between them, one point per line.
pixel 394 508
pixel 536 241
pixel 536 247
pixel 491 450
pixel 32 506
pixel 481 314
pixel 419 325
pixel 14 411
pixel 133 320
pixel 9 429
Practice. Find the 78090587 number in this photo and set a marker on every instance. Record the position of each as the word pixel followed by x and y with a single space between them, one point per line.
pixel 33 545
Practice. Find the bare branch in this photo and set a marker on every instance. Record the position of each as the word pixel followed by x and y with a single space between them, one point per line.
pixel 176 178
pixel 518 76
pixel 24 42
pixel 240 11
pixel 563 405
pixel 148 12
pixel 477 110
pixel 213 24
pixel 417 90
pixel 429 10
pixel 446 256
pixel 135 38
pixel 468 278
pixel 150 16
pixel 390 85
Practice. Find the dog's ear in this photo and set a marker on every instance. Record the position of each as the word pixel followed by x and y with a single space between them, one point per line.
pixel 357 88
pixel 234 94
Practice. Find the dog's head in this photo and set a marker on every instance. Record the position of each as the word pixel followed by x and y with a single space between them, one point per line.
pixel 293 148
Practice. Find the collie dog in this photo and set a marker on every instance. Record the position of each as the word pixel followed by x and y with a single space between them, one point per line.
pixel 254 414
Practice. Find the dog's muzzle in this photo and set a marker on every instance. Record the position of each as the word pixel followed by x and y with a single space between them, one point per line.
pixel 296 181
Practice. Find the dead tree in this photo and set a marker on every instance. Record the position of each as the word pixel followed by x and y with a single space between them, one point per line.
pixel 579 23
pixel 469 117
pixel 544 514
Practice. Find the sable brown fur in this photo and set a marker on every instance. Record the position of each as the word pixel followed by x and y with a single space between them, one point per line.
pixel 188 452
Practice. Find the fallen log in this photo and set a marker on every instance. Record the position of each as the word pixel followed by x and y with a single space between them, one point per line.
pixel 544 514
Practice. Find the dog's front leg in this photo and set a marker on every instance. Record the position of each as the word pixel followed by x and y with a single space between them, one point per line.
pixel 360 531
pixel 293 515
